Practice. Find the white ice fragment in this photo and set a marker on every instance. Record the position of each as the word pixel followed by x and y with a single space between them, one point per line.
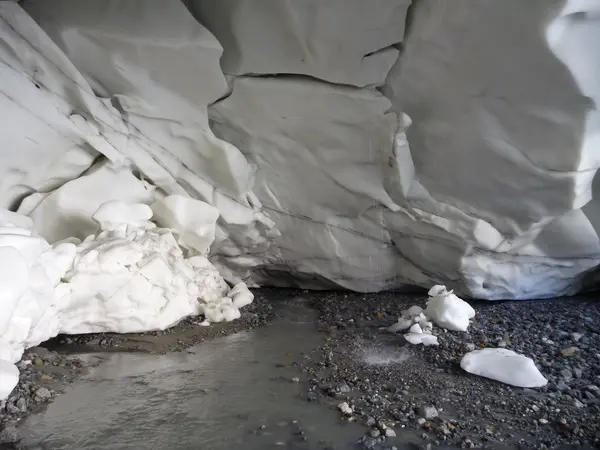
pixel 9 377
pixel 505 366
pixel 193 221
pixel 412 312
pixel 345 408
pixel 241 295
pixel 447 310
pixel 114 213
pixel 426 326
pixel 401 325
pixel 416 329
pixel 421 338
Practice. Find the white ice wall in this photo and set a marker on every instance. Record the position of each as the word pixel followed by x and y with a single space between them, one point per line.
pixel 289 118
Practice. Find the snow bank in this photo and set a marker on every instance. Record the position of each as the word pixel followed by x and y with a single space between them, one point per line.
pixel 505 366
pixel 130 276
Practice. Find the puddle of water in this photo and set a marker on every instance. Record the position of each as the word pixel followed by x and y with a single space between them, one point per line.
pixel 215 396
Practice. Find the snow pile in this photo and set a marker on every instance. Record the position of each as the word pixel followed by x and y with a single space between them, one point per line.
pixel 443 308
pixel 131 276
pixel 505 366
pixel 447 310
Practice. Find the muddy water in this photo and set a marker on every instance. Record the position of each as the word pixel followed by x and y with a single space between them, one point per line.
pixel 232 392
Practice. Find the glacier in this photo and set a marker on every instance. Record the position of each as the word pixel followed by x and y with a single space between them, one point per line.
pixel 321 145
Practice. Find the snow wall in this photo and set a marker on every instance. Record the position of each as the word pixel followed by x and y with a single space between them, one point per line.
pixel 357 144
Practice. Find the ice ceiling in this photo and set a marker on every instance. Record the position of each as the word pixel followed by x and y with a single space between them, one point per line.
pixel 359 144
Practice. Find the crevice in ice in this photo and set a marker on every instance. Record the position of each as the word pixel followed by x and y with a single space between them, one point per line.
pixel 301 78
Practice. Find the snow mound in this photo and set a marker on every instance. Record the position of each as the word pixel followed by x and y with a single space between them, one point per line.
pixel 447 310
pixel 131 276
pixel 505 366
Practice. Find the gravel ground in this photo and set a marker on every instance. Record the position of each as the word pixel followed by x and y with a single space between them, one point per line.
pixel 395 388
pixel 46 370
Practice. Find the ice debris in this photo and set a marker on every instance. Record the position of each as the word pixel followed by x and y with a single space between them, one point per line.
pixel 443 308
pixel 130 276
pixel 448 311
pixel 505 366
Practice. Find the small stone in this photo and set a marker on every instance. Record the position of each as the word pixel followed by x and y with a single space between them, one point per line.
pixel 21 404
pixel 470 347
pixel 576 336
pixel 369 443
pixel 345 408
pixel 578 404
pixel 390 433
pixel 370 421
pixel 429 412
pixel 295 380
pixel 578 373
pixel 422 421
pixel 374 433
pixel 43 393
pixel 569 351
pixel 343 388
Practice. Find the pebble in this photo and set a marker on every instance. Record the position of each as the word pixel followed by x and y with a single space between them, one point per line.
pixel 389 432
pixel 43 393
pixel 429 412
pixel 369 443
pixel 569 351
pixel 345 408
pixel 375 433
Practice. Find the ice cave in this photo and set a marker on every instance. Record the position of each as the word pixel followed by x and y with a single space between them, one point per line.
pixel 167 160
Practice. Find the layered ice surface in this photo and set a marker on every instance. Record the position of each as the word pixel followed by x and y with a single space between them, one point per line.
pixel 129 276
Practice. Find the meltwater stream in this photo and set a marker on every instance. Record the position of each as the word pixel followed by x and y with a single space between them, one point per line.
pixel 217 395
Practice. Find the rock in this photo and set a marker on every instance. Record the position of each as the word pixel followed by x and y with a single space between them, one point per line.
pixel 21 404
pixel 43 393
pixel 345 408
pixel 569 351
pixel 578 404
pixel 369 443
pixel 389 432
pixel 374 433
pixel 576 336
pixel 429 412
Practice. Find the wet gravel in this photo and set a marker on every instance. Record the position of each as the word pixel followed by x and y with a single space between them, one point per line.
pixel 395 388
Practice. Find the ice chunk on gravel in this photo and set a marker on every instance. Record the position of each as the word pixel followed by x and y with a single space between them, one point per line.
pixel 505 366
pixel 447 310
pixel 421 338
